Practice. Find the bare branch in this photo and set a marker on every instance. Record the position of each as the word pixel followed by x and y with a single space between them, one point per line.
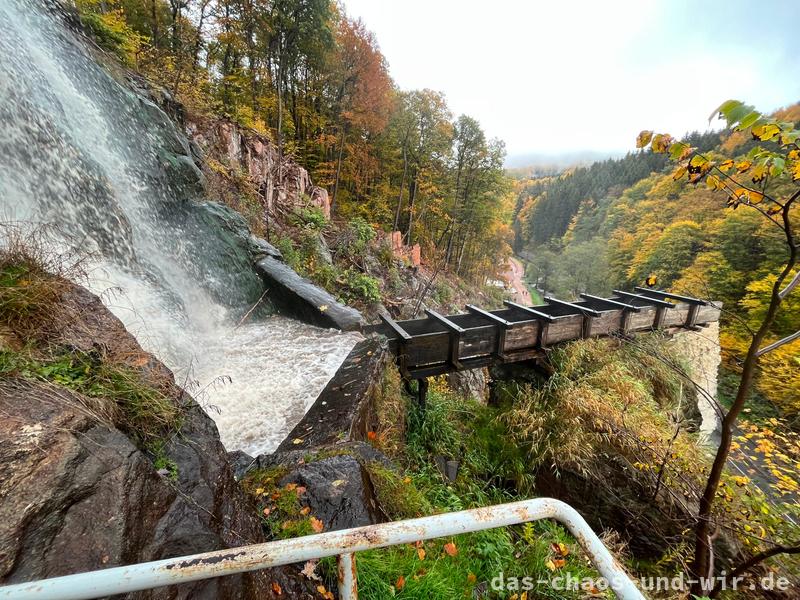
pixel 779 343
pixel 752 562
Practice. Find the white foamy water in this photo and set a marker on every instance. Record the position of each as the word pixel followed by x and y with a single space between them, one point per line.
pixel 82 152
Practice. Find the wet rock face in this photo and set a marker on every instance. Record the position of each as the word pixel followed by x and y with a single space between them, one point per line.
pixel 470 384
pixel 77 493
pixel 301 299
pixel 339 492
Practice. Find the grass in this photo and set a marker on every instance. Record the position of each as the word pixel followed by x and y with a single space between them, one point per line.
pixel 132 403
pixel 281 508
pixel 456 567
pixel 33 281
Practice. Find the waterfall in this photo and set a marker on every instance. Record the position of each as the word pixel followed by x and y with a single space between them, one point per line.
pixel 82 152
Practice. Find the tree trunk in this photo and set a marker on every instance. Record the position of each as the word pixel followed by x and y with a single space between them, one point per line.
pixel 702 543
pixel 412 197
pixel 400 195
pixel 338 172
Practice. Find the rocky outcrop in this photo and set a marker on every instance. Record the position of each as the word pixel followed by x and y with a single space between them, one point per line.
pixel 470 384
pixel 257 156
pixel 79 491
pixel 301 299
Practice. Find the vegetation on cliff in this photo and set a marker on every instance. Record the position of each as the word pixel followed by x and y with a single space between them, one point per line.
pixel 313 80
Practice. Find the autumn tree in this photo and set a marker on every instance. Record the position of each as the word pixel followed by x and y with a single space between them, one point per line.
pixel 764 181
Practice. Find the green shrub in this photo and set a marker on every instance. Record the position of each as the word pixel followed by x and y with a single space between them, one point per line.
pixel 310 217
pixel 360 287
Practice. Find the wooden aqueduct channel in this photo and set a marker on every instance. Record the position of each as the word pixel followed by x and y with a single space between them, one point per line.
pixel 441 344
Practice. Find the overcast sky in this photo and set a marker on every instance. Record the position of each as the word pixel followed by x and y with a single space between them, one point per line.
pixel 556 76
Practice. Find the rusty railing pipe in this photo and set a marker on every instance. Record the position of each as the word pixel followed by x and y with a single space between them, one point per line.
pixel 172 571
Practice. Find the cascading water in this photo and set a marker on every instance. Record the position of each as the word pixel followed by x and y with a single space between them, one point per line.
pixel 80 151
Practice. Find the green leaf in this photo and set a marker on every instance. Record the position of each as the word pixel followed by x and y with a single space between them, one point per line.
pixel 749 120
pixel 677 149
pixel 778 164
pixel 723 109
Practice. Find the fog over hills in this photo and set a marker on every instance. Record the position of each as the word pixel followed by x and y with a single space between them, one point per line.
pixel 542 163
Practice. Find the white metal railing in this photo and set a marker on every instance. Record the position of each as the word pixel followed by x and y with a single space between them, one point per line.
pixel 343 543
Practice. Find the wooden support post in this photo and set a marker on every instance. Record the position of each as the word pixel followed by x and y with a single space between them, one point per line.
pixel 403 338
pixel 625 323
pixel 658 322
pixel 691 317
pixel 422 392
pixel 542 341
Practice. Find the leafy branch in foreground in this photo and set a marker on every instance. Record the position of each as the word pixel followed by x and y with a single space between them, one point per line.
pixel 759 181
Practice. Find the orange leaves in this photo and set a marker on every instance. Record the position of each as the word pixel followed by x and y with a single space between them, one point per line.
pixel 400 583
pixel 450 549
pixel 661 143
pixel 276 589
pixel 421 553
pixel 324 592
pixel 643 139
pixel 317 525
pixel 679 173
pixel 744 166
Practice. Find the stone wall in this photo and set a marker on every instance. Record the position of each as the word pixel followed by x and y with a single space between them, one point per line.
pixel 701 351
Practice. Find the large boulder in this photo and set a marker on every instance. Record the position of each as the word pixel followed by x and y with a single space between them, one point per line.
pixel 80 490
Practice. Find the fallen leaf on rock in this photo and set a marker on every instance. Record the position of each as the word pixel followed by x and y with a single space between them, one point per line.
pixel 317 525
pixel 309 571
pixel 297 441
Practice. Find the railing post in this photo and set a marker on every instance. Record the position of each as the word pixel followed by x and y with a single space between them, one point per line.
pixel 348 582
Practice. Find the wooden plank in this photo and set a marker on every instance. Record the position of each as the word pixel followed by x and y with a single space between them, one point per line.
pixel 522 335
pixel 610 303
pixel 455 336
pixel 585 310
pixel 566 328
pixel 428 348
pixel 532 311
pixel 399 331
pixel 487 315
pixel 444 321
pixel 664 295
pixel 652 301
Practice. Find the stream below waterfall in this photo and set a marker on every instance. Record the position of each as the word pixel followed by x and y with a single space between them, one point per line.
pixel 106 170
